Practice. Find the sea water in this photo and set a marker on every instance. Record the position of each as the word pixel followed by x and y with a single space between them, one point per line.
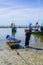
pixel 35 40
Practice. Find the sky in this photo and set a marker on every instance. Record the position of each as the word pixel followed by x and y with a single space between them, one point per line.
pixel 21 12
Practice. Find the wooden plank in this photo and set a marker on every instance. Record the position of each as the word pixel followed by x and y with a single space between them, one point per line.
pixel 12 43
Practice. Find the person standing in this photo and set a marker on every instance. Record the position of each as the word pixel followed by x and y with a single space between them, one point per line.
pixel 36 26
pixel 28 35
pixel 13 29
pixel 41 27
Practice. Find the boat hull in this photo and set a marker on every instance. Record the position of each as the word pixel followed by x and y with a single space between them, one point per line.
pixel 40 33
pixel 12 42
pixel 34 32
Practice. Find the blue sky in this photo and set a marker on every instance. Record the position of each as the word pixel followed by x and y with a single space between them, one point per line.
pixel 21 12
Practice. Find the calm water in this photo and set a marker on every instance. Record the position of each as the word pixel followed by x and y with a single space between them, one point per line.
pixel 35 40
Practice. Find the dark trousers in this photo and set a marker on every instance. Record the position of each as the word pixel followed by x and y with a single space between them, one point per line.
pixel 41 29
pixel 27 39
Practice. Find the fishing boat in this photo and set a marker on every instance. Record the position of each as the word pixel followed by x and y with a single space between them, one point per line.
pixel 34 32
pixel 40 33
pixel 12 41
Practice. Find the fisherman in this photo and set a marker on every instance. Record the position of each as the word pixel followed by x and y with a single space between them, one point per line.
pixel 41 27
pixel 28 35
pixel 13 29
pixel 36 27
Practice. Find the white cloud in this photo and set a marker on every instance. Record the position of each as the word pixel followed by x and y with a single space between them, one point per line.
pixel 21 14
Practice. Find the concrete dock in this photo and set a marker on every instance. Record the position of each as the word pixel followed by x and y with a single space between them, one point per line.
pixel 24 56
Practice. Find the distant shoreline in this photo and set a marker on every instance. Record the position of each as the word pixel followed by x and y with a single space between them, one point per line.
pixel 17 26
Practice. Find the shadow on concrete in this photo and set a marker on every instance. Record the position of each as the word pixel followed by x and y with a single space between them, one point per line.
pixel 17 47
pixel 34 48
pixel 21 47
